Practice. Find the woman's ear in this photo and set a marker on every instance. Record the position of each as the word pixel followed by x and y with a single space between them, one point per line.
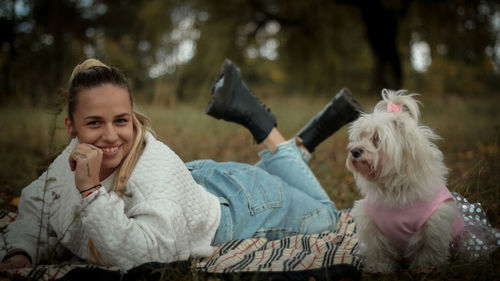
pixel 69 127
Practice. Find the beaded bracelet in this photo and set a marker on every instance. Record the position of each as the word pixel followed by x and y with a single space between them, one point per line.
pixel 88 189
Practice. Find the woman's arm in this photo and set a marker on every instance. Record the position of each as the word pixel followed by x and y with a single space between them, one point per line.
pixel 154 229
pixel 29 231
pixel 164 214
pixel 24 233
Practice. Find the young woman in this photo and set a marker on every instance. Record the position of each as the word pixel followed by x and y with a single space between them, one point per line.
pixel 118 196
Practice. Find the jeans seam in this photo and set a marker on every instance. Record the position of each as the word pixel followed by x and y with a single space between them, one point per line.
pixel 265 205
pixel 227 227
pixel 312 215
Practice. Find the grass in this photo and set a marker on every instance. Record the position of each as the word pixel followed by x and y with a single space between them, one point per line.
pixel 469 128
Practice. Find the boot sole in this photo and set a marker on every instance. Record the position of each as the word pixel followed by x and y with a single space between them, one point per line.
pixel 222 97
pixel 346 105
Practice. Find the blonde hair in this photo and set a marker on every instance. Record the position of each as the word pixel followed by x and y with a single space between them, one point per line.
pixel 86 64
pixel 94 73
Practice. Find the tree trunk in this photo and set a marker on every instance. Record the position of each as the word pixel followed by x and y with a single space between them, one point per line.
pixel 381 30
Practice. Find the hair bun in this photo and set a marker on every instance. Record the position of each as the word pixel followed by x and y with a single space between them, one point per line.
pixel 88 63
pixel 402 99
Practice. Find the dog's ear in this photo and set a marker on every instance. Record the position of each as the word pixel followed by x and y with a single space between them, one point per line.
pixel 414 148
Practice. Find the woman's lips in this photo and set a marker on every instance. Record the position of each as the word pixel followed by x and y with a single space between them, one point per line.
pixel 110 151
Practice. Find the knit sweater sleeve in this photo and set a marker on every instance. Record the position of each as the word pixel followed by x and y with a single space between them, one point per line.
pixel 28 231
pixel 142 235
pixel 32 231
pixel 156 220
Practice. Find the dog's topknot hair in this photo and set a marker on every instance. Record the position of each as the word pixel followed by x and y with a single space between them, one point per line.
pixel 401 98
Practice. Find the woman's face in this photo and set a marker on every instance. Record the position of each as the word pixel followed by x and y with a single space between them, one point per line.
pixel 103 118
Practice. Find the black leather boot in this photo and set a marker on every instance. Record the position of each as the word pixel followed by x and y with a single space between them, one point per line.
pixel 341 110
pixel 234 102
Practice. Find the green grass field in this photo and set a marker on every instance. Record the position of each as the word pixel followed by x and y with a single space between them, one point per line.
pixel 469 128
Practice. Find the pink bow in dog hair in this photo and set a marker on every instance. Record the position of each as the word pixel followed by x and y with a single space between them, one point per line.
pixel 392 107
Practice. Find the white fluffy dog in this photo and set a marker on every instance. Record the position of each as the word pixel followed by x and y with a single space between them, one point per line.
pixel 407 216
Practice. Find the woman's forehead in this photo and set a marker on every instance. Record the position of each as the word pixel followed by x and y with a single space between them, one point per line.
pixel 103 98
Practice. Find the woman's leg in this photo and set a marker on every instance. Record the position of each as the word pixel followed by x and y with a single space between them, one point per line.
pixel 272 140
pixel 279 196
pixel 289 163
pixel 255 203
pixel 233 101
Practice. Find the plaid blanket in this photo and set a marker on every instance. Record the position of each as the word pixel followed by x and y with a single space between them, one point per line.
pixel 327 255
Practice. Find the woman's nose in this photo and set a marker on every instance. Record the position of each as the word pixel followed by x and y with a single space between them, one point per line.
pixel 109 134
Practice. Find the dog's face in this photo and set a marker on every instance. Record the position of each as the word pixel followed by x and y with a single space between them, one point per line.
pixel 390 149
pixel 376 145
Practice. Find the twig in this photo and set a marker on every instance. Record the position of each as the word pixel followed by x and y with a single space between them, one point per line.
pixel 52 132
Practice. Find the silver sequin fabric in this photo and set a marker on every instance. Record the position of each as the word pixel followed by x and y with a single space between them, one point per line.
pixel 478 237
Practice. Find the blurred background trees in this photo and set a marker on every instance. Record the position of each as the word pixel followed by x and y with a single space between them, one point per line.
pixel 172 49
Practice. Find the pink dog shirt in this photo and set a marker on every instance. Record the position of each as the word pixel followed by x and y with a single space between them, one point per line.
pixel 399 224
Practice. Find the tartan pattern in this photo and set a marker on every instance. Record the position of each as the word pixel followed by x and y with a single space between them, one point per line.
pixel 294 253
pixel 6 217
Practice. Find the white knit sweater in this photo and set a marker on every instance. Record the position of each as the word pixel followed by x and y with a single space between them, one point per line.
pixel 164 215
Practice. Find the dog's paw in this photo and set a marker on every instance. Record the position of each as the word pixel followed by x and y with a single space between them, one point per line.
pixel 426 260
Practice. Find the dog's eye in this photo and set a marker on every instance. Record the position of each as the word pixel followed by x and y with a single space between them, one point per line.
pixel 375 140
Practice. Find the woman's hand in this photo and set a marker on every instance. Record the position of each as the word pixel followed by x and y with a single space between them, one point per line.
pixel 16 261
pixel 85 160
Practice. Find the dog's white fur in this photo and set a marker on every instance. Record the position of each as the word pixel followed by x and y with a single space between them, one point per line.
pixel 399 165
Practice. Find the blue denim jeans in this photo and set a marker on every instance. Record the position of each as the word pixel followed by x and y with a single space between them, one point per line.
pixel 277 197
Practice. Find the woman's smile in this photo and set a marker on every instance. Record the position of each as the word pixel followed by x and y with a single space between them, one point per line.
pixel 109 151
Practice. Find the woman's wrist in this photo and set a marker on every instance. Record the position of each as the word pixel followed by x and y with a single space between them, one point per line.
pixel 90 190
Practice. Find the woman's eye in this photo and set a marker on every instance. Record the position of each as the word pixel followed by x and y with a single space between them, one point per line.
pixel 121 121
pixel 93 123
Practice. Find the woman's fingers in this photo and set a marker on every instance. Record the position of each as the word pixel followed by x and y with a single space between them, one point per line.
pixel 85 160
pixel 72 163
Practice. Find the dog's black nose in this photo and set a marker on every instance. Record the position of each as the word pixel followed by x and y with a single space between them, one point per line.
pixel 356 152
